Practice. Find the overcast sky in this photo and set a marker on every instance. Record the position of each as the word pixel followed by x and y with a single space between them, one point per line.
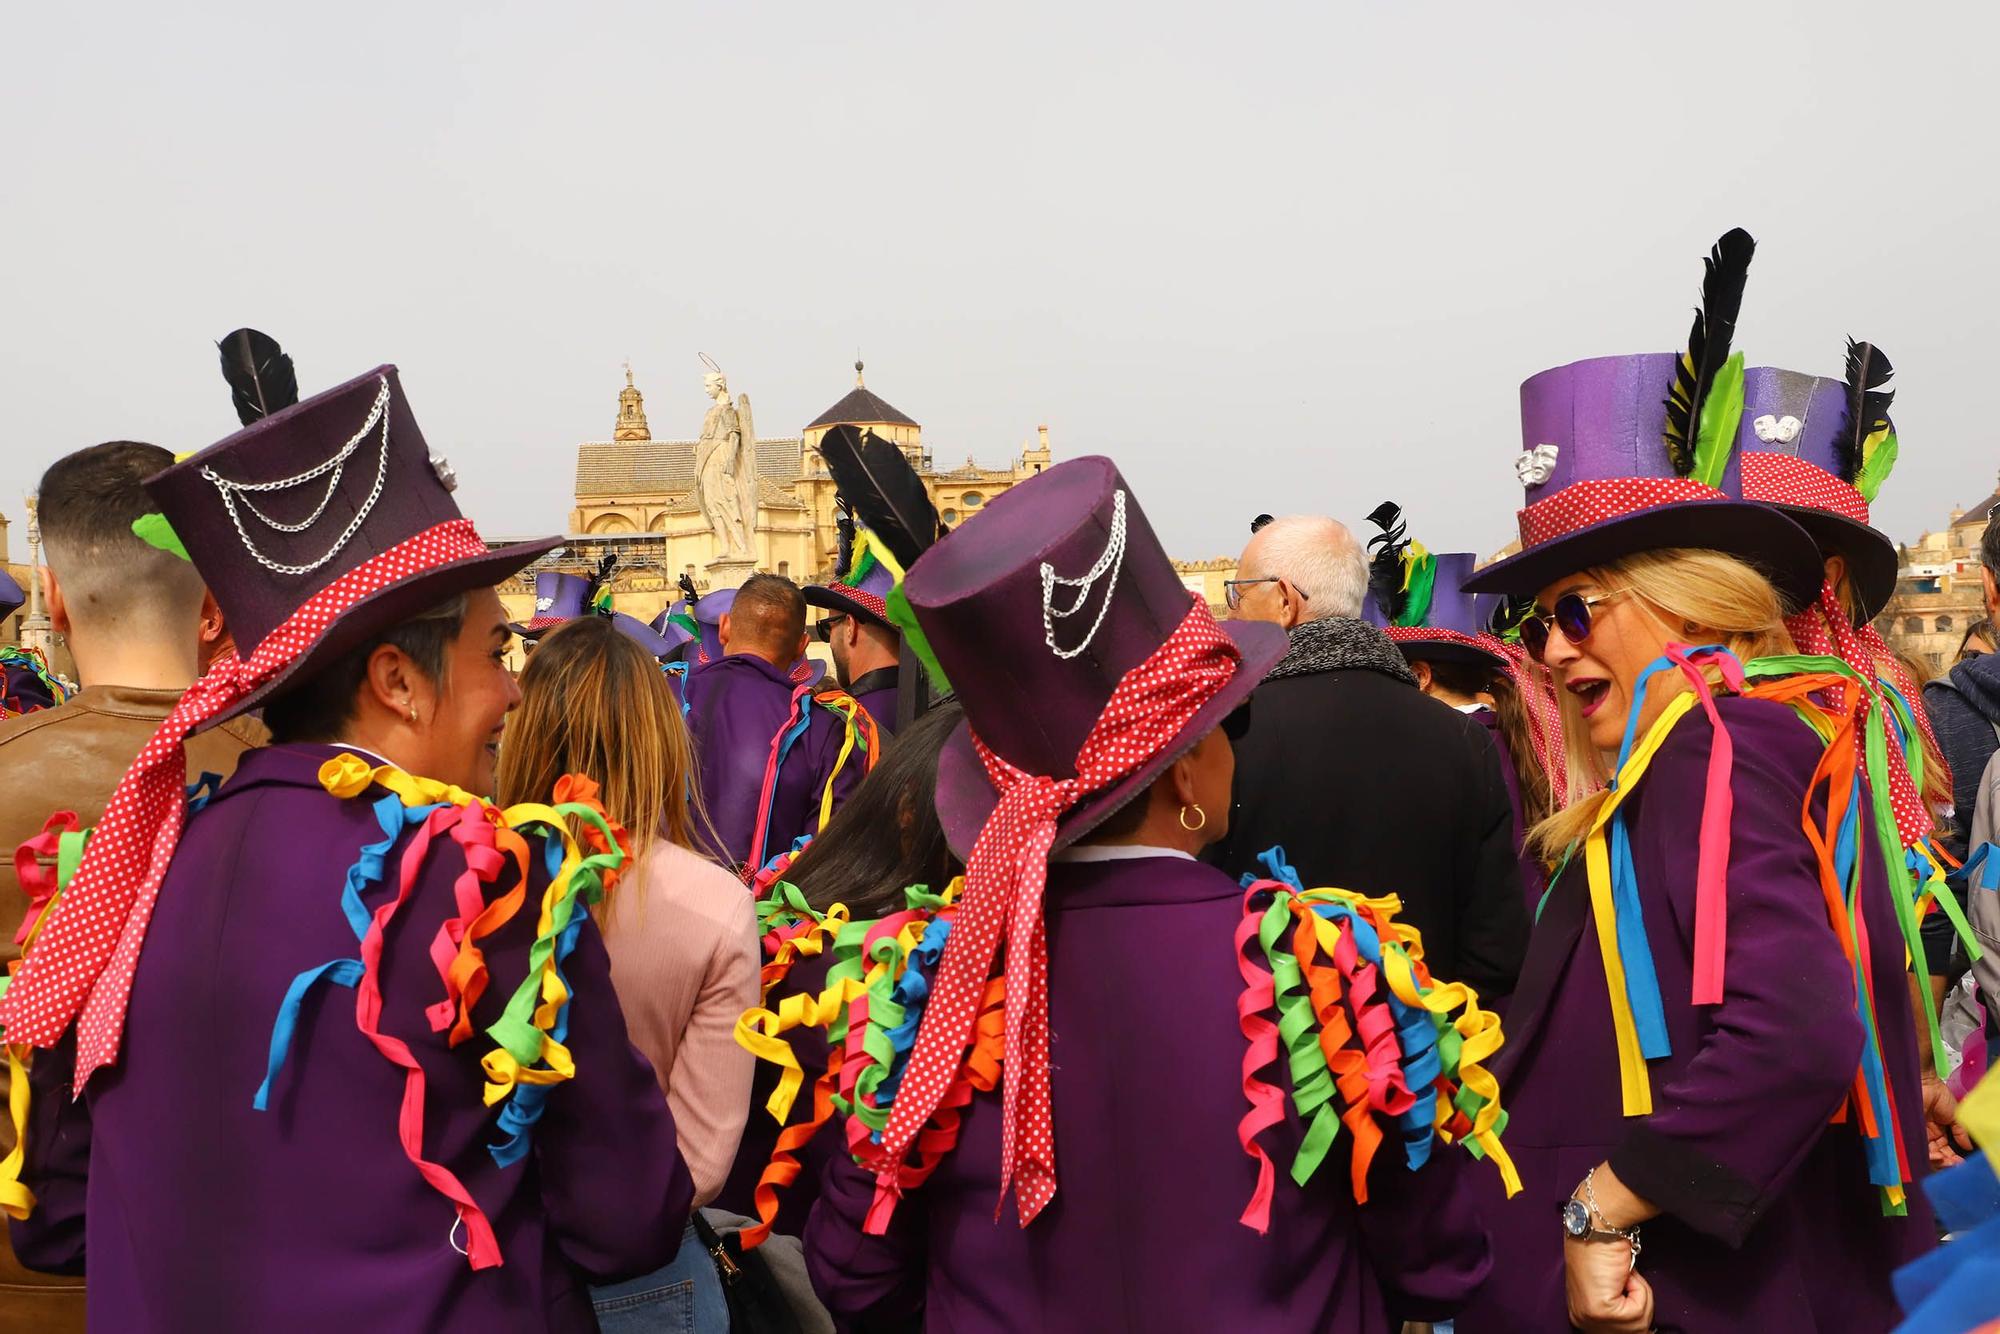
pixel 1267 257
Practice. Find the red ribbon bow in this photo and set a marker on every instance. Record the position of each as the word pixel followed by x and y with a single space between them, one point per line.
pixel 1004 881
pixel 82 967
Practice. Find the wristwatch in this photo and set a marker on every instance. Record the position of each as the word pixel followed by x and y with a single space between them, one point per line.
pixel 1582 1220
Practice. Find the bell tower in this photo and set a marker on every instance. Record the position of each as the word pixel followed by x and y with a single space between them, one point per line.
pixel 631 412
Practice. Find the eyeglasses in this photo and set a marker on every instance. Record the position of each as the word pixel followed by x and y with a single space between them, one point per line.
pixel 823 629
pixel 1232 589
pixel 1571 616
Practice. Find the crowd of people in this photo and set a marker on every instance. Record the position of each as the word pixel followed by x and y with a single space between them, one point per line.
pixel 1597 938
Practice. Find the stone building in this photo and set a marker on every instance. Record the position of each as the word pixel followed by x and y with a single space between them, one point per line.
pixel 1938 589
pixel 635 495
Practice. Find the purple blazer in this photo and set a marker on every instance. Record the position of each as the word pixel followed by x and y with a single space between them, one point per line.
pixel 204 1213
pixel 1534 876
pixel 736 705
pixel 877 692
pixel 1770 1222
pixel 1147 1092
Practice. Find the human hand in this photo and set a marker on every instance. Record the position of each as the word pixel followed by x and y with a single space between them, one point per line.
pixel 1607 1294
pixel 1947 1138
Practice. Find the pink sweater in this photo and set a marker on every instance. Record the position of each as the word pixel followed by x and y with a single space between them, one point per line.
pixel 682 935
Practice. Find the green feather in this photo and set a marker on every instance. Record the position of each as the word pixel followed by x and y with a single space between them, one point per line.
pixel 905 619
pixel 1420 582
pixel 863 564
pixel 1878 456
pixel 687 623
pixel 155 531
pixel 1721 412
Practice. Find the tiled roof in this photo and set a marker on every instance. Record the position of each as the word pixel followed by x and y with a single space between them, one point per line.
pixel 649 467
pixel 861 407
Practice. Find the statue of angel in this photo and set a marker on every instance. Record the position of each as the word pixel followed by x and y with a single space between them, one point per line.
pixel 725 468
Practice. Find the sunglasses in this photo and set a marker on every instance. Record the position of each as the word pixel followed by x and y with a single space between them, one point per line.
pixel 1571 616
pixel 823 629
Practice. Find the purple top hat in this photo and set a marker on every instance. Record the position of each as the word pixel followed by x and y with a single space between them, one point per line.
pixel 1803 455
pixel 677 635
pixel 561 597
pixel 1446 627
pixel 11 596
pixel 338 490
pixel 866 596
pixel 1034 677
pixel 1602 485
pixel 708 615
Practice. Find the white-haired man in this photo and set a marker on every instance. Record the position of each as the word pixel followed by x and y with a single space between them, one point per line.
pixel 1367 783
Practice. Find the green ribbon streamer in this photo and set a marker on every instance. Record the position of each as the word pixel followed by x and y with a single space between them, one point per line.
pixel 903 618
pixel 515 1028
pixel 1298 1028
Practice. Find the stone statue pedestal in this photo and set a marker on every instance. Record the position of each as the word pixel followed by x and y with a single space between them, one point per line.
pixel 725 572
pixel 37 633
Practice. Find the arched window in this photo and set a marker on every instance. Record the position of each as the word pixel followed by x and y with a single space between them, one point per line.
pixel 1943 624
pixel 949 516
pixel 1913 625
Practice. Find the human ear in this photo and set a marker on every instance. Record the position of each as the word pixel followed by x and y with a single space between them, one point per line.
pixel 722 631
pixel 391 681
pixel 58 607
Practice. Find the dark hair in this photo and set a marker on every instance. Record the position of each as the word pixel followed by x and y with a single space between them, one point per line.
pixel 1462 678
pixel 320 706
pixel 886 837
pixel 88 500
pixel 1537 788
pixel 769 612
pixel 1989 543
pixel 1979 629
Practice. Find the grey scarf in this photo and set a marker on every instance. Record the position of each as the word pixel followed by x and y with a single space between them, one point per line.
pixel 1340 643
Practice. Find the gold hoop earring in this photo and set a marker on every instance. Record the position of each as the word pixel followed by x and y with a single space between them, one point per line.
pixel 1198 825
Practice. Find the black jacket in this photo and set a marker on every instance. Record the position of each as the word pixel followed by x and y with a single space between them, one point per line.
pixel 1371 785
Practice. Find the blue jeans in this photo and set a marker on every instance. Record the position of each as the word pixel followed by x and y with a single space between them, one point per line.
pixel 683 1298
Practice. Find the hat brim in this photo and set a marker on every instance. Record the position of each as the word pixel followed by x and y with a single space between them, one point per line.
pixel 1870 556
pixel 1446 650
pixel 391 607
pixel 835 599
pixel 966 797
pixel 1759 534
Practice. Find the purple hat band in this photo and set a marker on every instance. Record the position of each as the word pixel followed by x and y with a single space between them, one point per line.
pixel 1061 588
pixel 1600 485
pixel 284 508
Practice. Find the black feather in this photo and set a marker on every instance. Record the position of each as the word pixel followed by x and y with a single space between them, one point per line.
pixel 1508 614
pixel 597 583
pixel 1385 564
pixel 882 491
pixel 1723 275
pixel 1868 370
pixel 687 590
pixel 843 527
pixel 260 374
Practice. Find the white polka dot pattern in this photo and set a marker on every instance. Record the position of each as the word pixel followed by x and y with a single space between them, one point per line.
pixel 1781 479
pixel 1004 880
pixel 82 967
pixel 1581 504
pixel 1824 630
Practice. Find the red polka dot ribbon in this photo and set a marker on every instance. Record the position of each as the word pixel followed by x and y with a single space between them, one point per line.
pixel 1581 504
pixel 82 967
pixel 1004 881
pixel 1423 634
pixel 1825 630
pixel 1780 479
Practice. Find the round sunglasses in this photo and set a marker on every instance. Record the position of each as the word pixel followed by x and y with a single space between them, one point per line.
pixel 1571 616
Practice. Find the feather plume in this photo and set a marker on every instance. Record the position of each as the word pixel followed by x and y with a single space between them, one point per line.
pixel 1706 361
pixel 1508 613
pixel 843 526
pixel 882 491
pixel 687 590
pixel 1388 549
pixel 598 596
pixel 260 374
pixel 1867 415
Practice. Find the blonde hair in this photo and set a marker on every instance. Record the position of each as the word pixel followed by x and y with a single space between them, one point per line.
pixel 594 703
pixel 1696 596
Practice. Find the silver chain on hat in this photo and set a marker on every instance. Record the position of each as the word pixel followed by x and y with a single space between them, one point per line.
pixel 1112 561
pixel 237 493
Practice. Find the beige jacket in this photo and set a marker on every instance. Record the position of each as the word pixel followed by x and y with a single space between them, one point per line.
pixel 682 935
